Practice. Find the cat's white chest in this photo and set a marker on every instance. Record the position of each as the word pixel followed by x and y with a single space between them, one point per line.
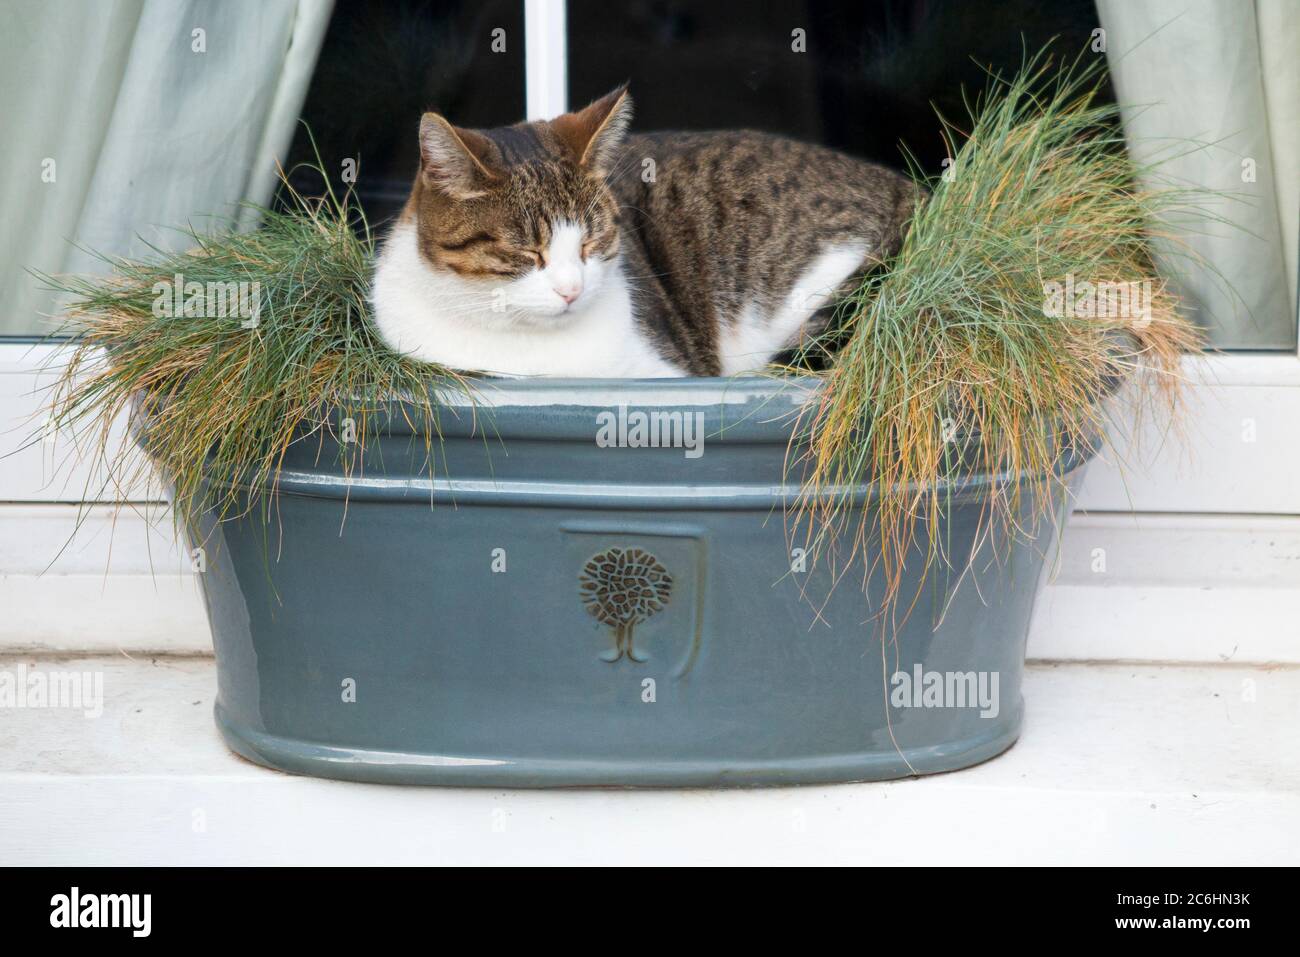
pixel 438 317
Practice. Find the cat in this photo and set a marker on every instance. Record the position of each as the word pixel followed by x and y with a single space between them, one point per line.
pixel 570 248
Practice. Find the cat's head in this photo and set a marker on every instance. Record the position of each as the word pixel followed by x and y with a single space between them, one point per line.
pixel 524 211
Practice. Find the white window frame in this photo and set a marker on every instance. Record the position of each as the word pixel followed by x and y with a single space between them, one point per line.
pixel 546 61
pixel 1232 477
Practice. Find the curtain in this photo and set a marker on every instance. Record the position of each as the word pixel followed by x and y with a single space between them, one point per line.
pixel 1224 76
pixel 128 118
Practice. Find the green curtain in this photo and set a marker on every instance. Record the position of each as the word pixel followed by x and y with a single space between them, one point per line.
pixel 126 119
pixel 1216 84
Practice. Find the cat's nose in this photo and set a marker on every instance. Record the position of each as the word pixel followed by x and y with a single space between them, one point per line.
pixel 569 292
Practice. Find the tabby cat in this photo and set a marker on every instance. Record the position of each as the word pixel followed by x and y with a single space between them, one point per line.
pixel 569 248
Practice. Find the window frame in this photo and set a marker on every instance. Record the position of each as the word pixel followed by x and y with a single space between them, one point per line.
pixel 1264 380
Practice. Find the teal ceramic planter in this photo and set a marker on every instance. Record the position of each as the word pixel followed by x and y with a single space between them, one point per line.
pixel 568 603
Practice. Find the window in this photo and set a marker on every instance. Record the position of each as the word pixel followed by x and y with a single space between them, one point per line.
pixel 861 77
pixel 382 66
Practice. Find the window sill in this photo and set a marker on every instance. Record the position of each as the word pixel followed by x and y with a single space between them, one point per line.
pixel 1199 782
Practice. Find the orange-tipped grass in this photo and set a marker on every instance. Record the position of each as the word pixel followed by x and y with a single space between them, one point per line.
pixel 951 365
pixel 219 400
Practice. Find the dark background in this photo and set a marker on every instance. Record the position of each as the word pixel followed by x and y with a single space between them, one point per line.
pixel 383 65
pixel 873 73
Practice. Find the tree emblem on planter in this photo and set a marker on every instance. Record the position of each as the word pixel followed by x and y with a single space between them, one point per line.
pixel 622 588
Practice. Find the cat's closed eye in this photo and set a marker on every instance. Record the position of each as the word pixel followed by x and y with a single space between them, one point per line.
pixel 460 244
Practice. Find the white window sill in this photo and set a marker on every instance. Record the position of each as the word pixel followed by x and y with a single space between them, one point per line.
pixel 1118 765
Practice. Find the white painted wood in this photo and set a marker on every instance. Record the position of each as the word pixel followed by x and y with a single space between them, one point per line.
pixel 546 67
pixel 65 539
pixel 1106 550
pixel 1157 587
pixel 131 614
pixel 1244 368
pixel 1146 623
pixel 23 358
pixel 38 466
pixel 1238 454
pixel 1118 765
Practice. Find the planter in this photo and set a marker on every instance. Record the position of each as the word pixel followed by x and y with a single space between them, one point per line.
pixel 572 614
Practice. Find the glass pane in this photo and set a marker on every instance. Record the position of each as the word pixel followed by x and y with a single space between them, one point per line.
pixel 865 81
pixel 870 76
pixel 383 65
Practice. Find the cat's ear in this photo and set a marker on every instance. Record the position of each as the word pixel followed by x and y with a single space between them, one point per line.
pixel 594 132
pixel 457 162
